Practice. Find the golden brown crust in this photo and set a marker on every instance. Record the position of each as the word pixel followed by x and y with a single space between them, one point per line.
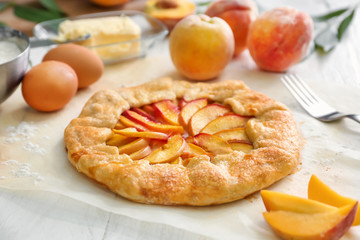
pixel 226 178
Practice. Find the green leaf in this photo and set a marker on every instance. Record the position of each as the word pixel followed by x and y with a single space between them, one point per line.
pixel 51 5
pixel 345 24
pixel 326 40
pixel 3 6
pixel 35 14
pixel 2 24
pixel 203 3
pixel 330 15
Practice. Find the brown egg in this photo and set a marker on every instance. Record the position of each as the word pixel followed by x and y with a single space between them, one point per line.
pixel 49 86
pixel 87 65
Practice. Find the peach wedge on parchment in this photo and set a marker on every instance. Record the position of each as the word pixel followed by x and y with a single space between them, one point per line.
pixel 319 191
pixel 293 217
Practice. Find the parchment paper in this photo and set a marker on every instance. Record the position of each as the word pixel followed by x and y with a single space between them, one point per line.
pixel 37 160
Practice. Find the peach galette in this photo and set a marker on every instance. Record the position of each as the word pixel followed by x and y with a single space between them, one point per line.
pixel 179 143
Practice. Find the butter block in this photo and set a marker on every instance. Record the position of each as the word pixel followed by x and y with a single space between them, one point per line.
pixel 108 35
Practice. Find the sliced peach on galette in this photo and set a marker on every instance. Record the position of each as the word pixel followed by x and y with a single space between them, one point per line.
pixel 180 143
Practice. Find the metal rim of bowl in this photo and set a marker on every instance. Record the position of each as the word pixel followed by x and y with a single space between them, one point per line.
pixel 8 86
pixel 8 32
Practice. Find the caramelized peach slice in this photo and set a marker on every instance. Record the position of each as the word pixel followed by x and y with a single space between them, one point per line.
pixel 177 161
pixel 149 110
pixel 212 144
pixel 242 146
pixel 119 140
pixel 134 146
pixel 119 125
pixel 320 225
pixel 144 114
pixel 205 115
pixel 132 132
pixel 319 191
pixel 151 125
pixel 236 134
pixel 182 103
pixel 190 109
pixel 168 152
pixel 157 143
pixel 193 150
pixel 141 153
pixel 167 111
pixel 228 121
pixel 129 123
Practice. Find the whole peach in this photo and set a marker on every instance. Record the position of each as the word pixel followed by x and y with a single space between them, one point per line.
pixel 201 47
pixel 279 38
pixel 239 14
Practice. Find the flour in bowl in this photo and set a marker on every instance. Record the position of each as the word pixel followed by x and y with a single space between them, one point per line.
pixel 8 51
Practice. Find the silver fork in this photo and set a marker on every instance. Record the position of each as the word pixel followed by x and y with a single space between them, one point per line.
pixel 315 106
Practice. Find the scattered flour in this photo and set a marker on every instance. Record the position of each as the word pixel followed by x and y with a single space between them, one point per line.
pixel 21 170
pixel 34 148
pixel 23 133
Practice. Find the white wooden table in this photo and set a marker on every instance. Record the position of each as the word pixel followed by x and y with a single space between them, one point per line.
pixel 43 215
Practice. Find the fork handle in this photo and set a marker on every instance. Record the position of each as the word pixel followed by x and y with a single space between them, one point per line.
pixel 354 117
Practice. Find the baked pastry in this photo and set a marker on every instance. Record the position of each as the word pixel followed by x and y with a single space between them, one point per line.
pixel 131 141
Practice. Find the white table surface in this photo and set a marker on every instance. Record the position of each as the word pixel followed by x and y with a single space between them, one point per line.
pixel 44 215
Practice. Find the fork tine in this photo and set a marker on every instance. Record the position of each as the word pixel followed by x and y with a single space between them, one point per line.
pixel 299 96
pixel 306 88
pixel 298 85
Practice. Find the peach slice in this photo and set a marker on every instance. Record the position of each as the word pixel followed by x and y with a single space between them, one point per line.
pixel 182 103
pixel 190 109
pixel 134 146
pixel 169 12
pixel 141 153
pixel 149 110
pixel 193 150
pixel 132 132
pixel 242 146
pixel 275 201
pixel 151 125
pixel 319 191
pixel 167 111
pixel 212 144
pixel 321 225
pixel 119 140
pixel 168 152
pixel 177 161
pixel 157 143
pixel 129 123
pixel 119 125
pixel 205 115
pixel 144 113
pixel 236 134
pixel 228 121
